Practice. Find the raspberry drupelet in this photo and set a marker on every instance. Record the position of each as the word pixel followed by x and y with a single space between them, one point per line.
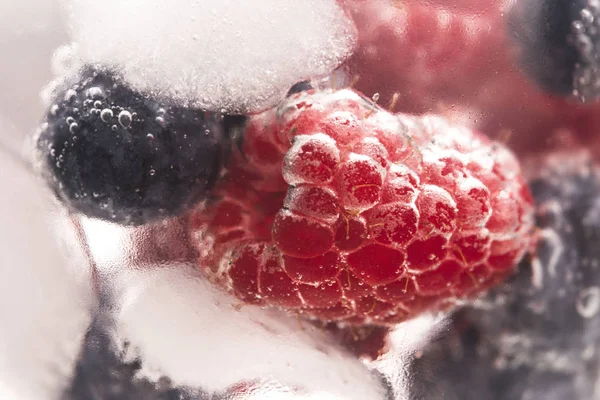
pixel 341 211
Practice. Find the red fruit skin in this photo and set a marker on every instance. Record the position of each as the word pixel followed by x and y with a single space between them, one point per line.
pixel 455 58
pixel 357 235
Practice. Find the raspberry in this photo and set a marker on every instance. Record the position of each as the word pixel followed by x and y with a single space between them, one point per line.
pixel 362 231
pixel 481 64
pixel 506 345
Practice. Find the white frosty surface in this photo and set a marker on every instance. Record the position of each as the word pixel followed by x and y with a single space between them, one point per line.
pixel 30 30
pixel 406 342
pixel 45 291
pixel 215 54
pixel 184 328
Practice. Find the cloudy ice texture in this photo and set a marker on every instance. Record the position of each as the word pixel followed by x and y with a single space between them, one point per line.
pixel 46 292
pixel 182 326
pixel 406 342
pixel 29 33
pixel 228 55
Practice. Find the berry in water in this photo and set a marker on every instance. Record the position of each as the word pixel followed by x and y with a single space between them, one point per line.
pixel 115 154
pixel 537 335
pixel 558 42
pixel 345 212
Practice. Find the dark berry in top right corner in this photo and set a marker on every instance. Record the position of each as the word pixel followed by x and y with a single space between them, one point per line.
pixel 558 45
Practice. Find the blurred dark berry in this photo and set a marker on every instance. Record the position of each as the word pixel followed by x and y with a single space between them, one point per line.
pixel 300 87
pixel 558 44
pixel 115 154
pixel 538 335
pixel 101 374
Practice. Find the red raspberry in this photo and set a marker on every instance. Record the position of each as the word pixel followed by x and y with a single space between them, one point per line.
pixel 380 217
pixel 456 58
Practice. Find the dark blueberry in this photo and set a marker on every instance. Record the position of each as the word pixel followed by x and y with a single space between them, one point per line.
pixel 300 87
pixel 538 335
pixel 102 374
pixel 118 155
pixel 558 44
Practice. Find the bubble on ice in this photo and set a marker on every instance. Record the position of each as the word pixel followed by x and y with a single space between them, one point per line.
pixel 214 54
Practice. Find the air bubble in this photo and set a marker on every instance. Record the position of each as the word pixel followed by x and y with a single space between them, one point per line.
pixel 125 119
pixel 587 16
pixel 160 121
pixel 106 114
pixel 97 104
pixel 94 92
pixel 73 128
pixel 152 172
pixel 54 109
pixel 70 95
pixel 114 128
pixel 150 136
pixel 70 120
pixel 588 302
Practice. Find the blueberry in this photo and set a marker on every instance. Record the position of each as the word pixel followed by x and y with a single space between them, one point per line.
pixel 537 336
pixel 558 44
pixel 102 374
pixel 300 87
pixel 112 153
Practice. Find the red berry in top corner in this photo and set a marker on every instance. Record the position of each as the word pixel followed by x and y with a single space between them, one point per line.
pixel 342 211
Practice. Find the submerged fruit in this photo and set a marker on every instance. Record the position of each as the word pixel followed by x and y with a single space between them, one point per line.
pixel 115 154
pixel 342 211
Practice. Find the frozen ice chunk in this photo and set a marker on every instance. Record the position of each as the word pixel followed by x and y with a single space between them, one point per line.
pixel 182 327
pixel 214 54
pixel 406 342
pixel 46 292
pixel 30 31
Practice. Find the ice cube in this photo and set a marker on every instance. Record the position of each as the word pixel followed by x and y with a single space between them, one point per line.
pixel 182 327
pixel 214 54
pixel 46 294
pixel 30 31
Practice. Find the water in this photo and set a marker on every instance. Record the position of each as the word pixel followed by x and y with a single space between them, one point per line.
pixel 155 296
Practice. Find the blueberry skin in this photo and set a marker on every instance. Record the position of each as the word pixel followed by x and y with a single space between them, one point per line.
pixel 112 153
pixel 300 87
pixel 537 336
pixel 558 45
pixel 541 30
pixel 102 374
